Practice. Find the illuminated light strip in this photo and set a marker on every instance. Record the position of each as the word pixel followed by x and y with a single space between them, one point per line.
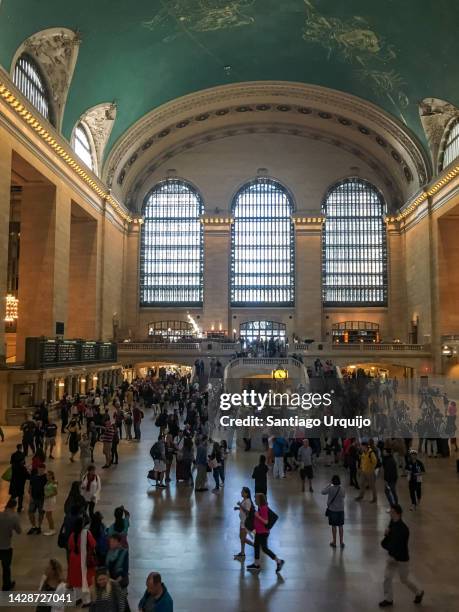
pixel 425 194
pixel 299 220
pixel 35 124
pixel 216 220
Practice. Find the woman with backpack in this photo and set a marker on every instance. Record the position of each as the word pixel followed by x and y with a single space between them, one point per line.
pixel 335 508
pixel 246 516
pixel 264 520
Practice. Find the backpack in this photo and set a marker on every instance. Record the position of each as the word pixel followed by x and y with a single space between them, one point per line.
pixel 155 452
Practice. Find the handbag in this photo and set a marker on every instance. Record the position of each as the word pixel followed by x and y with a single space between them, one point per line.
pixel 272 519
pixel 249 522
pixel 327 511
pixel 213 464
pixel 7 474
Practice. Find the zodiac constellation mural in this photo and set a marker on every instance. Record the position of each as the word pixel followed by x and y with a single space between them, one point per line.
pixel 201 16
pixel 354 41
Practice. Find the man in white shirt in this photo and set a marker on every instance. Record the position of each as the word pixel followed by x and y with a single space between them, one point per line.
pixel 304 458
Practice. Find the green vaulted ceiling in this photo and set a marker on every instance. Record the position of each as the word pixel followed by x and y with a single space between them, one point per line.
pixel 142 53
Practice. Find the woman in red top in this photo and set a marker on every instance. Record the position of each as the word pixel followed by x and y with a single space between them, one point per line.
pixel 82 561
pixel 262 534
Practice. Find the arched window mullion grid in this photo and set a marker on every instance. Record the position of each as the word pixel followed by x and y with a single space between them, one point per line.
pixel 262 246
pixel 82 145
pixel 451 151
pixel 354 258
pixel 28 79
pixel 171 255
pixel 262 330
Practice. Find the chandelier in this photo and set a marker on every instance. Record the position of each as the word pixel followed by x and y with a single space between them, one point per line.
pixel 11 313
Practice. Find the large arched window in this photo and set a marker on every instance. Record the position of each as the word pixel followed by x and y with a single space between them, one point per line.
pixel 171 260
pixel 82 145
pixel 451 151
pixel 262 249
pixel 354 245
pixel 29 80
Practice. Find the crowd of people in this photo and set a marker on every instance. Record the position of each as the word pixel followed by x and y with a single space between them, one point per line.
pixel 185 451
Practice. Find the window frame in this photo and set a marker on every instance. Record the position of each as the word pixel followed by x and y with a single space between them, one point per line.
pixel 343 231
pixel 42 89
pixel 91 149
pixel 290 303
pixel 447 143
pixel 143 303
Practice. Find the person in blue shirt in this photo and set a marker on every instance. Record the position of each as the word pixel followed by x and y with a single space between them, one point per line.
pixel 156 598
pixel 279 449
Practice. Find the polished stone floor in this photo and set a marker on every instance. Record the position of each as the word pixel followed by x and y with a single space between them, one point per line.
pixel 190 538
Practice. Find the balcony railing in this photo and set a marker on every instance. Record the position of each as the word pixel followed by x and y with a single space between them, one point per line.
pixel 359 347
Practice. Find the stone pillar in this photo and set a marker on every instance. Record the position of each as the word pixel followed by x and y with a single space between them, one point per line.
pixel 399 318
pixel 43 262
pixel 82 311
pixel 5 190
pixel 217 254
pixel 130 321
pixel 308 279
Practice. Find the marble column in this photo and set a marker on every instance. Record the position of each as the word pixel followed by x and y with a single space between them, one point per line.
pixel 5 190
pixel 43 262
pixel 217 249
pixel 308 279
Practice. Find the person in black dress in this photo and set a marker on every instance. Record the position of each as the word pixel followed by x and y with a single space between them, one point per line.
pixel 260 474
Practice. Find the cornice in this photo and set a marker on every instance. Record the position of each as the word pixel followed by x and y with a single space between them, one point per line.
pixel 134 196
pixel 54 143
pixel 204 105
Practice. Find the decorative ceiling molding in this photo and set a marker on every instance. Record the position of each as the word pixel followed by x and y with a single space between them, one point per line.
pixel 55 50
pixel 435 115
pixel 99 120
pixel 135 194
pixel 215 103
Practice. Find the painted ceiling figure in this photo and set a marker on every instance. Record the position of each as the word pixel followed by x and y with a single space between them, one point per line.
pixel 354 41
pixel 201 16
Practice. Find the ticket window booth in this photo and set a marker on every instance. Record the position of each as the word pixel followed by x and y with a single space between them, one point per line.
pixel 351 332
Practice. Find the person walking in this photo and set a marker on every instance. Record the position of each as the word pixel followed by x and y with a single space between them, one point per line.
pixel 335 509
pixel 117 563
pixel 215 462
pixel 390 475
pixel 304 458
pixel 415 470
pixel 19 476
pixel 85 454
pixel 279 448
pixel 156 597
pixel 50 502
pixel 261 522
pixel 201 465
pixel 260 475
pixel 9 524
pixel 107 439
pixel 105 593
pixel 246 509
pixel 50 438
pixel 73 439
pixel 38 481
pixel 90 489
pixel 396 543
pixel 53 581
pixel 368 463
pixel 81 561
pixel 137 416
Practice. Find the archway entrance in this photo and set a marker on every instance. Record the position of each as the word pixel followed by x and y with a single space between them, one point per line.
pixel 251 331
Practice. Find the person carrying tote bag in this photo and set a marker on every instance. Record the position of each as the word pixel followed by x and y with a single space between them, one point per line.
pixel 264 520
pixel 335 508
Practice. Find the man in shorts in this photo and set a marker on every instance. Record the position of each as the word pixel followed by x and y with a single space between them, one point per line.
pixel 304 458
pixel 37 498
pixel 50 437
